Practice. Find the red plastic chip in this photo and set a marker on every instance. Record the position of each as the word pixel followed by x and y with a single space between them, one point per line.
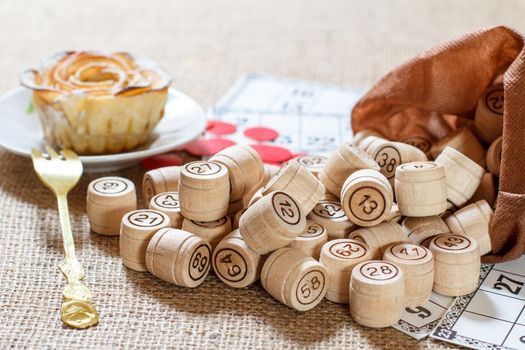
pixel 161 160
pixel 273 154
pixel 261 134
pixel 220 128
pixel 208 147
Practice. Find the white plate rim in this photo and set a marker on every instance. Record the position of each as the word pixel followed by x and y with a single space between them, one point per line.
pixel 127 156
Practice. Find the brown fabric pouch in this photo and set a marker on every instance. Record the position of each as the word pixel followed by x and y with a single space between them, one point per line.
pixel 435 92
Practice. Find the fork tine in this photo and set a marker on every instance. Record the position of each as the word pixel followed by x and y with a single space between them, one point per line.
pixel 52 153
pixel 69 154
pixel 35 154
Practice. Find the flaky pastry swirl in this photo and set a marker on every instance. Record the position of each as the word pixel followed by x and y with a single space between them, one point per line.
pixel 98 103
pixel 95 74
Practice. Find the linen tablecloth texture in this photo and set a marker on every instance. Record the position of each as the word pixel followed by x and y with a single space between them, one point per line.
pixel 206 46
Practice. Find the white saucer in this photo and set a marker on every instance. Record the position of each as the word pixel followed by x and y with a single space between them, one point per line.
pixel 183 121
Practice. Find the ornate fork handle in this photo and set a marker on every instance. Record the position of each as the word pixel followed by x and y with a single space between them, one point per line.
pixel 77 309
pixel 60 174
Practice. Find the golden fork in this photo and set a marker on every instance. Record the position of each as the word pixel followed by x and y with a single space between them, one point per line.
pixel 60 173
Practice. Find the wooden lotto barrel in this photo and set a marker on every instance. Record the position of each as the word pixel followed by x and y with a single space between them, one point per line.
pixel 237 219
pixel 394 215
pixel 312 162
pixel 108 200
pixel 169 204
pixel 234 207
pixel 341 164
pixel 419 139
pixel 494 157
pixel 462 173
pixel 178 257
pixel 204 191
pixel 235 263
pixel 252 198
pixel 299 183
pixel 136 231
pixel 421 189
pixel 377 238
pixel 417 263
pixel 367 142
pixel 377 293
pixel 272 222
pixel 456 264
pixel 451 208
pixel 367 197
pixel 474 222
pixel 329 196
pixel 339 257
pixel 212 231
pixel 486 190
pixel 270 171
pixel 255 193
pixel 488 119
pixel 160 180
pixel 464 141
pixel 294 278
pixel 331 216
pixel 360 136
pixel 311 240
pixel 389 155
pixel 423 228
pixel 245 168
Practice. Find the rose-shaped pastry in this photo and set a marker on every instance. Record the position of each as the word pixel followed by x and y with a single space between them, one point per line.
pixel 95 103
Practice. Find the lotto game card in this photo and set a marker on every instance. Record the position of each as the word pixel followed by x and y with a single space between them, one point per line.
pixel 418 322
pixel 493 317
pixel 309 117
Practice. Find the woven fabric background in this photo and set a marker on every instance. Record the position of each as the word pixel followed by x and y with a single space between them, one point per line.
pixel 206 45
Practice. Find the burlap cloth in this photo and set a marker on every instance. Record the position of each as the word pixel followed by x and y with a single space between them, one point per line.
pixel 206 46
pixel 438 90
